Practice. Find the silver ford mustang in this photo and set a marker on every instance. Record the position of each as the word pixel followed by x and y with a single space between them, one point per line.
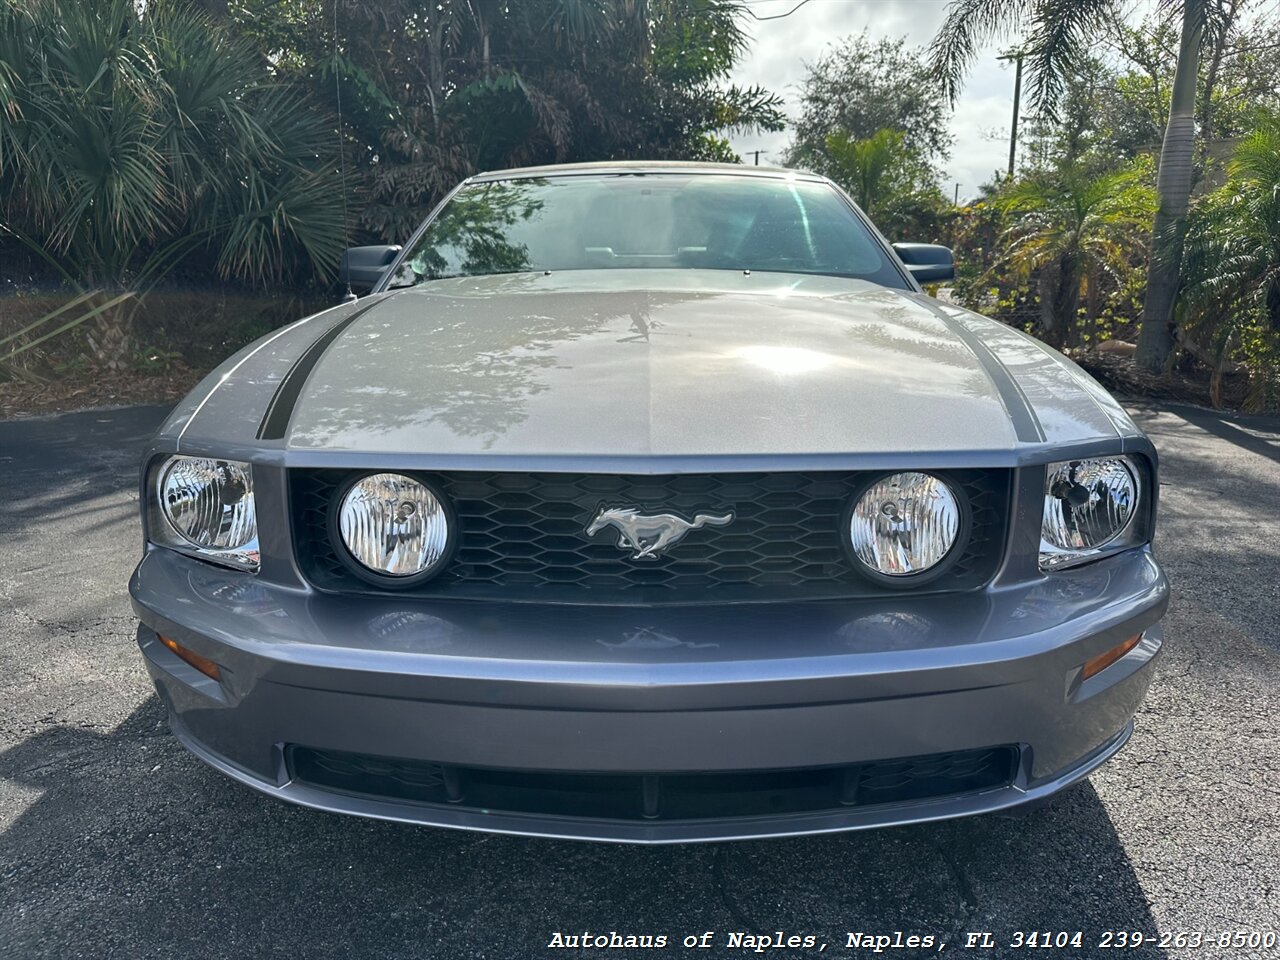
pixel 650 503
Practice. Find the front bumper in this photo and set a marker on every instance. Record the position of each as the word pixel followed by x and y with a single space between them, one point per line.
pixel 652 691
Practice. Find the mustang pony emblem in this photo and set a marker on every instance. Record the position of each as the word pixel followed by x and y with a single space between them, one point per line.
pixel 647 535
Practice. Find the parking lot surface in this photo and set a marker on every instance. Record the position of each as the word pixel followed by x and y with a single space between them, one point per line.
pixel 114 842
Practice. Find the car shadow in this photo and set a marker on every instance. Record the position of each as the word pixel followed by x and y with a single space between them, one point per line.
pixel 1258 434
pixel 125 845
pixel 73 463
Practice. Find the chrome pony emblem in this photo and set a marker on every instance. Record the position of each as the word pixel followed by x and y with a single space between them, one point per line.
pixel 649 535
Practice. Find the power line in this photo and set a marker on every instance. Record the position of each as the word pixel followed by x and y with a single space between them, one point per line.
pixel 776 16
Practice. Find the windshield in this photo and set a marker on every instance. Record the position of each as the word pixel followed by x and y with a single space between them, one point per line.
pixel 705 221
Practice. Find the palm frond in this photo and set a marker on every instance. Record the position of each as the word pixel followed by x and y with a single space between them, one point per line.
pixel 71 324
pixel 970 24
pixel 1059 38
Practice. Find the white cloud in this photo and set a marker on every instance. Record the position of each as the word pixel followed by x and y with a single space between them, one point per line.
pixel 781 48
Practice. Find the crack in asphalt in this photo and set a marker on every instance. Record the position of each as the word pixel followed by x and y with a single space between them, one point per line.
pixel 948 853
pixel 727 899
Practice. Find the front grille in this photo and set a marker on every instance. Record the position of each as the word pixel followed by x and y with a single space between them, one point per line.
pixel 523 536
pixel 661 797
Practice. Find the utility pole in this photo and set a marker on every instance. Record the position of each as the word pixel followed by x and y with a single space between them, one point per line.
pixel 1017 105
pixel 757 155
pixel 1016 57
pixel 956 200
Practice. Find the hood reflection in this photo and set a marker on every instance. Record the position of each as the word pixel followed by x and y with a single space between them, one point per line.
pixel 1065 590
pixel 247 597
pixel 412 631
pixel 895 630
pixel 593 364
pixel 785 361
pixel 646 638
pixel 647 635
pixel 642 327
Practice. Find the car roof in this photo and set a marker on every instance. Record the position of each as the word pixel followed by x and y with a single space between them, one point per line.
pixel 642 166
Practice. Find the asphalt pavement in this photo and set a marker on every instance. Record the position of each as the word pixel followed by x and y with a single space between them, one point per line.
pixel 114 842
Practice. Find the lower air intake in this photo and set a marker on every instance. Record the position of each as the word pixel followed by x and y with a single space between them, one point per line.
pixel 664 797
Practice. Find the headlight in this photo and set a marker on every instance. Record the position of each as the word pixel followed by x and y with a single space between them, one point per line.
pixel 209 510
pixel 1088 507
pixel 394 527
pixel 904 524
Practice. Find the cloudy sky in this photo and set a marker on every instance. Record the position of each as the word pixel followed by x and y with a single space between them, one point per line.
pixel 776 60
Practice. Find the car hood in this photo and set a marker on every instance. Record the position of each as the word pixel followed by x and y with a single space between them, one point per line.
pixel 478 367
pixel 690 364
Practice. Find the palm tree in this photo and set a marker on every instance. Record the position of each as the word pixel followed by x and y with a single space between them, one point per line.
pixel 485 84
pixel 867 168
pixel 133 136
pixel 1155 336
pixel 887 179
pixel 1069 231
pixel 1232 257
pixel 1057 35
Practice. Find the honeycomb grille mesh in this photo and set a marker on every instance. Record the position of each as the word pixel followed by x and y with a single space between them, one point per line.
pixel 678 796
pixel 523 535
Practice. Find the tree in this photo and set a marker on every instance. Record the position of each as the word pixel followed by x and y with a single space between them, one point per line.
pixel 861 87
pixel 132 137
pixel 1115 103
pixel 885 180
pixel 1057 37
pixel 434 90
pixel 1173 186
pixel 1069 230
pixel 1094 127
pixel 1232 263
pixel 1246 83
pixel 866 168
pixel 1240 59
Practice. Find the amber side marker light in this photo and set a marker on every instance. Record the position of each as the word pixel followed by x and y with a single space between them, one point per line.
pixel 1103 660
pixel 203 664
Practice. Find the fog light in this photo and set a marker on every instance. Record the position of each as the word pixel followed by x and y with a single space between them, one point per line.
pixel 395 528
pixel 1103 660
pixel 203 664
pixel 904 524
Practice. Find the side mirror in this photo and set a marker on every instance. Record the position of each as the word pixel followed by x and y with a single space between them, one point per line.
pixel 928 262
pixel 362 267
